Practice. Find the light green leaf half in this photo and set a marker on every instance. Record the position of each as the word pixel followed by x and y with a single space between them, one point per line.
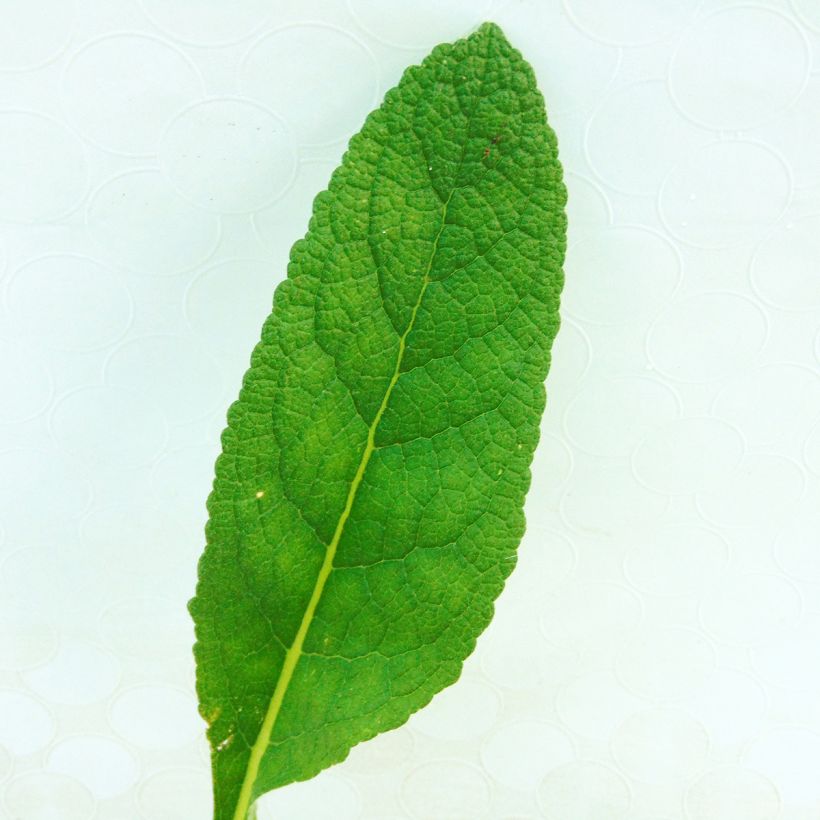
pixel 368 503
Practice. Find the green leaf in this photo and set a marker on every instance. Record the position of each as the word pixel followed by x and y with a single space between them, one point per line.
pixel 368 502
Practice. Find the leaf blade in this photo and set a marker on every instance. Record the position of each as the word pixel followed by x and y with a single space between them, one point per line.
pixel 390 413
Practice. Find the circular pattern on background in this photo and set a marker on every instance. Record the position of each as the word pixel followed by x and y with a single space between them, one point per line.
pixel 411 25
pixel 731 331
pixel 750 609
pixel 383 754
pixel 326 797
pixel 732 793
pixel 792 134
pixel 725 194
pixel 111 425
pixel 228 156
pixel 630 23
pixel 739 67
pixel 176 793
pixel 811 451
pixel 636 136
pixel 551 469
pixel 27 639
pixel 6 764
pixel 155 717
pixel 121 89
pixel 147 627
pixel 26 727
pixel 796 548
pixel 546 560
pixel 54 581
pixel 25 383
pixel 605 495
pixel 518 754
pixel 675 560
pixel 595 703
pixel 142 539
pixel 172 371
pixel 791 661
pixel 226 304
pixel 757 405
pixel 588 208
pixel 584 791
pixel 25 43
pixel 571 354
pixel 688 455
pixel 660 746
pixel 106 768
pixel 622 274
pixel 666 663
pixel 808 12
pixel 505 650
pixel 283 221
pixel 781 272
pixel 68 302
pixel 461 712
pixel 633 407
pixel 55 178
pixel 788 756
pixel 732 707
pixel 590 614
pixel 446 790
pixel 573 71
pixel 208 22
pixel 43 796
pixel 313 53
pixel 181 479
pixel 764 490
pixel 79 675
pixel 144 224
pixel 27 474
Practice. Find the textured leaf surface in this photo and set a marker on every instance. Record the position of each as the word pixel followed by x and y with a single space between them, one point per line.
pixel 368 502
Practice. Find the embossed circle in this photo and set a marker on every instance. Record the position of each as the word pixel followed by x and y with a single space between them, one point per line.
pixel 44 796
pixel 55 177
pixel 660 746
pixel 781 271
pixel 209 22
pixel 313 53
pixel 622 274
pixel 119 91
pixel 631 23
pixel 637 135
pixel 585 790
pixel 447 790
pixel 725 194
pixel 143 224
pixel 732 793
pixel 171 371
pixel 731 331
pixel 739 67
pixel 228 155
pixel 68 302
pixel 110 425
pixel 175 793
pixel 411 26
pixel 25 42
pixel 105 767
pixel 688 455
pixel 519 754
